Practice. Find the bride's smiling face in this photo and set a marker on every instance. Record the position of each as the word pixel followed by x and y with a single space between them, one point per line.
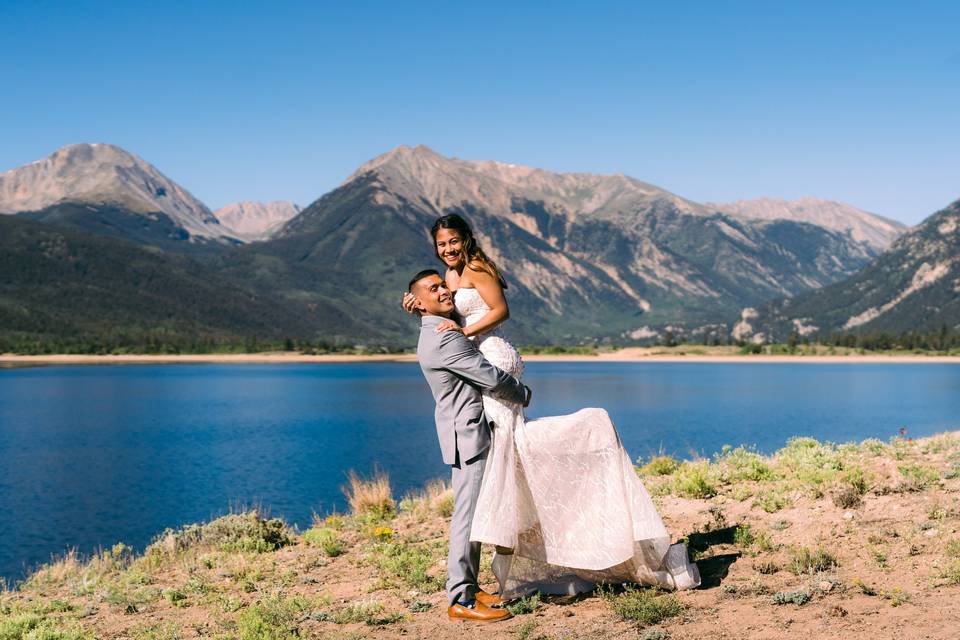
pixel 450 247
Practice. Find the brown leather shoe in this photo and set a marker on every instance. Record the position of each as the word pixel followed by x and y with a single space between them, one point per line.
pixel 488 599
pixel 479 613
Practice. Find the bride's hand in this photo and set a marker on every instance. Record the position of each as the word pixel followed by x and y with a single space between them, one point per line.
pixel 409 302
pixel 449 325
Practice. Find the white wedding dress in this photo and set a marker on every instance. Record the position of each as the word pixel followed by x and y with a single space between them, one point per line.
pixel 562 492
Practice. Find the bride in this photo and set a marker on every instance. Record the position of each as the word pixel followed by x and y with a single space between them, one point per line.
pixel 560 498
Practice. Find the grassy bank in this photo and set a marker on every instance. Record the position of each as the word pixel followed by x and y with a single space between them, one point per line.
pixel 852 541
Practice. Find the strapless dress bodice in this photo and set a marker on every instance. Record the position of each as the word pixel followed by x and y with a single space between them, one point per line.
pixel 492 344
pixel 470 305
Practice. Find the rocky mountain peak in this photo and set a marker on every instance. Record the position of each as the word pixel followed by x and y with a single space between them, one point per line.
pixel 876 231
pixel 418 173
pixel 254 221
pixel 104 174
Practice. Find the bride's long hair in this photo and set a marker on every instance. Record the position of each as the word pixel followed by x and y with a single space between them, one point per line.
pixel 475 257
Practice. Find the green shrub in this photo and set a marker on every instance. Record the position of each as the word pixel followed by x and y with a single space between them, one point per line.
pixel 952 548
pixel 419 606
pixel 692 480
pixel 644 606
pixel 952 572
pixel 248 531
pixel 370 613
pixel 746 536
pixel 405 564
pixel 524 605
pixel 873 446
pixel 804 560
pixel 787 597
pixel 917 477
pixel 33 627
pixel 771 500
pixel 274 618
pixel 326 539
pixel 660 466
pixel 175 597
pixel 162 631
pixel 735 465
pixel 743 535
pixel 809 463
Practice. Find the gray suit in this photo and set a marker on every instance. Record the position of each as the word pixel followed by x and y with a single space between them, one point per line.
pixel 457 372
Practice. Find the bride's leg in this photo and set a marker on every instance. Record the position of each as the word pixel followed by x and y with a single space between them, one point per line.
pixel 501 569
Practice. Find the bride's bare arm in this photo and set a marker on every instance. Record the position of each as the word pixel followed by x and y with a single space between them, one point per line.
pixel 492 293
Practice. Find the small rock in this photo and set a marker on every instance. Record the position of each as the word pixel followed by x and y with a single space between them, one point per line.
pixel 848 515
pixel 825 585
pixel 568 613
pixel 930 533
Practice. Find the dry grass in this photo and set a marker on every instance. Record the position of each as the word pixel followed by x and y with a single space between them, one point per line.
pixel 435 499
pixel 372 497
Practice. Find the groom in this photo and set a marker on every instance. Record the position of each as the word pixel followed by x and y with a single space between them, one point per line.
pixel 457 373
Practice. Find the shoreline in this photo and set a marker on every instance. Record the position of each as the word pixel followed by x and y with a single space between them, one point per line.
pixel 625 356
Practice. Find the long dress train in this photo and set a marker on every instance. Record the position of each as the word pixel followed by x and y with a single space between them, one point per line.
pixel 562 493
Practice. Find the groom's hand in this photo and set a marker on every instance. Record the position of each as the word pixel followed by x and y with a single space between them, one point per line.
pixel 529 396
pixel 449 325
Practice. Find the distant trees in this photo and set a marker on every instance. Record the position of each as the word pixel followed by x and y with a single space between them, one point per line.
pixel 163 342
pixel 943 339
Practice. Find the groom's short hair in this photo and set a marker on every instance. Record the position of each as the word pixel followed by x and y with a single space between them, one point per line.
pixel 420 276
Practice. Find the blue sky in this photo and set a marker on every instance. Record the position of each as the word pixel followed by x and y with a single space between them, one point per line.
pixel 716 101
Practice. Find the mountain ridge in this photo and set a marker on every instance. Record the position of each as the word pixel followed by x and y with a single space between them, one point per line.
pixel 104 174
pixel 252 221
pixel 879 232
pixel 914 286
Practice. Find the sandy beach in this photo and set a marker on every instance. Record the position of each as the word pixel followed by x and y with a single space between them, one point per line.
pixel 623 355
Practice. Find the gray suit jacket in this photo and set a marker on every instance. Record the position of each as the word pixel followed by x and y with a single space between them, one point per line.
pixel 456 372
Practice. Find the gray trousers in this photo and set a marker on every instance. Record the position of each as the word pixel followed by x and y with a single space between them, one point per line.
pixel 463 559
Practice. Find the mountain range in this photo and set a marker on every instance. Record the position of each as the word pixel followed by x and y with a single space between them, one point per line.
pixel 588 258
pixel 875 230
pixel 914 286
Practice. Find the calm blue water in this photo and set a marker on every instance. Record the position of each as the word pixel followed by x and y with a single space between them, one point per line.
pixel 93 455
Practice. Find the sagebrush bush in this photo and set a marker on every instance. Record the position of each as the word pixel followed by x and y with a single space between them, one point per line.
pixel 804 560
pixel 916 477
pixel 742 463
pixel 273 618
pixel 660 465
pixel 406 565
pixel 368 612
pixel 249 531
pixel 692 480
pixel 326 538
pixel 644 606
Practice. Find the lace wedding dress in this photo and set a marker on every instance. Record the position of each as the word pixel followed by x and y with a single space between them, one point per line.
pixel 562 493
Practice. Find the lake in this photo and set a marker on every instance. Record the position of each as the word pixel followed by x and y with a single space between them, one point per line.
pixel 93 455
